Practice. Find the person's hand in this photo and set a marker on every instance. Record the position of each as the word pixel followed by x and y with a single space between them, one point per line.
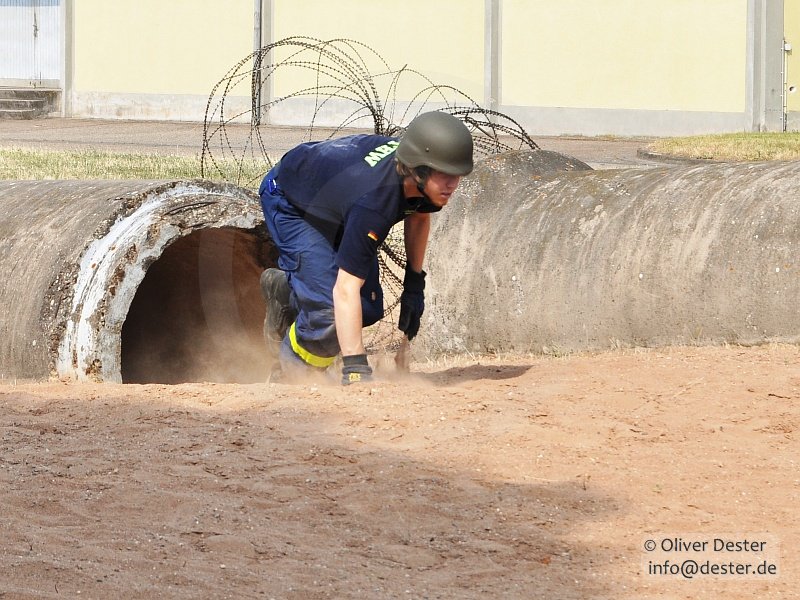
pixel 356 369
pixel 412 302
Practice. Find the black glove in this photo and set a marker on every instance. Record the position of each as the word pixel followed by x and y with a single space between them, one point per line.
pixel 356 369
pixel 412 302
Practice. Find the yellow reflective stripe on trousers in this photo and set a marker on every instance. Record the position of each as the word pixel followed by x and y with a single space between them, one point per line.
pixel 315 361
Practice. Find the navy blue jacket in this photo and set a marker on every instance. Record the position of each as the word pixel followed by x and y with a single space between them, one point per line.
pixel 348 189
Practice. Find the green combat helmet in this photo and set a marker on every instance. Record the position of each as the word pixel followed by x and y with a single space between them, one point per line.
pixel 437 140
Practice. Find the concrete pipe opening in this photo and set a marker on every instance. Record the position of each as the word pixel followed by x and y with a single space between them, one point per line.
pixel 197 314
pixel 132 281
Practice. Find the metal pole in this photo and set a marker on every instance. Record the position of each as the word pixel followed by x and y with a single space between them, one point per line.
pixel 786 48
pixel 257 42
pixel 491 53
pixel 68 68
pixel 753 68
pixel 774 56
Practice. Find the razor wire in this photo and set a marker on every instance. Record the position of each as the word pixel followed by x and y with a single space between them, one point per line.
pixel 344 86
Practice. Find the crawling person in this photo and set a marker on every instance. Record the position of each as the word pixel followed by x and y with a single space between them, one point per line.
pixel 328 207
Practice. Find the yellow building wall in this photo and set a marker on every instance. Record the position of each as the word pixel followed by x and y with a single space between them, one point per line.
pixel 443 39
pixel 682 55
pixel 158 46
pixel 161 58
pixel 791 27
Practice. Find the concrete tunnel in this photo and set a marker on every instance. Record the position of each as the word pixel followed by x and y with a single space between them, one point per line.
pixel 131 281
pixel 141 281
pixel 530 258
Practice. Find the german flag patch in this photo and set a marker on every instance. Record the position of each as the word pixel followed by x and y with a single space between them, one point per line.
pixel 373 236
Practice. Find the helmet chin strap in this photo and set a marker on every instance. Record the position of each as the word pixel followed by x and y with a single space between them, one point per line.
pixel 421 175
pixel 424 205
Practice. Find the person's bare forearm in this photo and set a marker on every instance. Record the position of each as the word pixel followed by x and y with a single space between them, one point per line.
pixel 347 313
pixel 416 230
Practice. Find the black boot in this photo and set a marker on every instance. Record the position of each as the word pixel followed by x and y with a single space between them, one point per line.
pixel 280 314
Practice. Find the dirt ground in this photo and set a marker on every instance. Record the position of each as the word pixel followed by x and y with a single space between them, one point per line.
pixel 512 477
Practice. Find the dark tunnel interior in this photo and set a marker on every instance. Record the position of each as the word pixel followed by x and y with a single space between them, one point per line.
pixel 198 314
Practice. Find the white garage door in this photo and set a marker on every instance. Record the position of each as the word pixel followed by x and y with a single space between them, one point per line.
pixel 30 43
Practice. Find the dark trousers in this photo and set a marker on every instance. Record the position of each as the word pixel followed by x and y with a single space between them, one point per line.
pixel 309 261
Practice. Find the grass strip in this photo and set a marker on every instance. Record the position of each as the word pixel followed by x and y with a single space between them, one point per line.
pixel 732 146
pixel 93 164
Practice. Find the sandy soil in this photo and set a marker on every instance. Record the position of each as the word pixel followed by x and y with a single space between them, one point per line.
pixel 520 477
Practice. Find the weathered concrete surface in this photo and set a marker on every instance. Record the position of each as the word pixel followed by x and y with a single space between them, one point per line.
pixel 158 281
pixel 531 261
pixel 74 254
